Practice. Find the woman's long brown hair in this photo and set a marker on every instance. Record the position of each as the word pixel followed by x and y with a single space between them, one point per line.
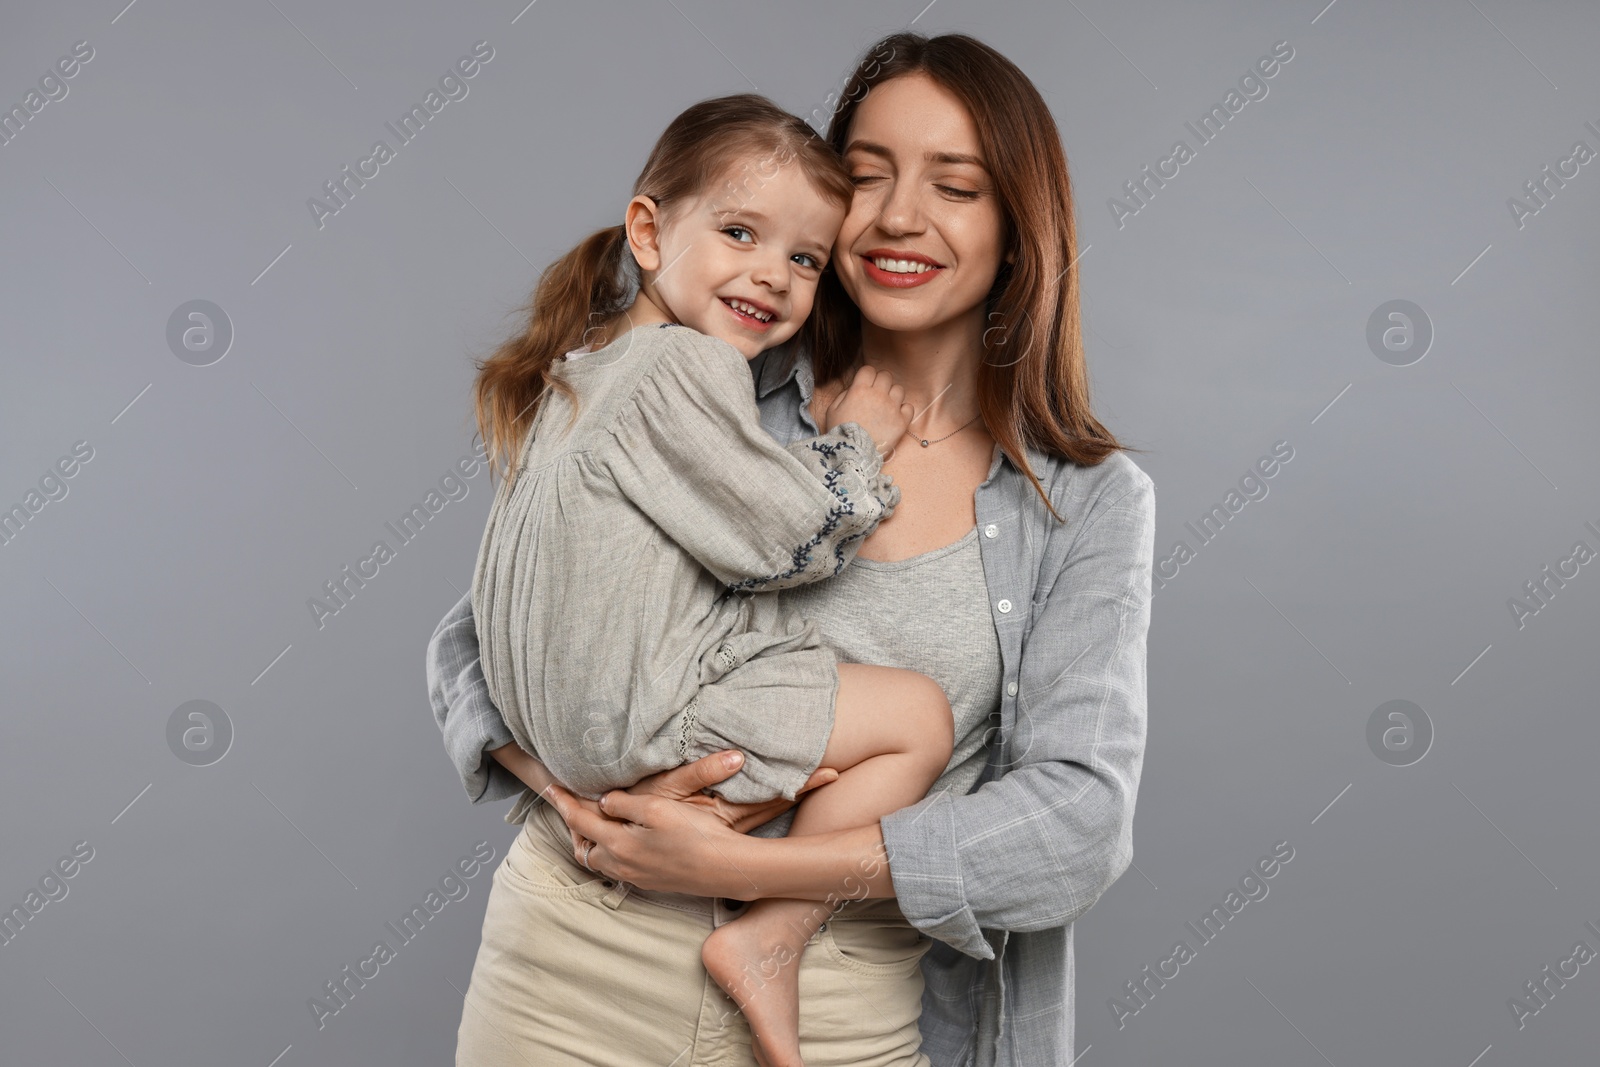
pixel 590 285
pixel 1033 387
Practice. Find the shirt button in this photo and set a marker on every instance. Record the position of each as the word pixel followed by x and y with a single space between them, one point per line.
pixel 991 530
pixel 1004 606
pixel 1011 689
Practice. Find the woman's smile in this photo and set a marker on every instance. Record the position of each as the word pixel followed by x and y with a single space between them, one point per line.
pixel 899 268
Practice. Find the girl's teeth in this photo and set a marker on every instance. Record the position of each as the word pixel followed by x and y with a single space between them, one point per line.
pixel 749 309
pixel 902 266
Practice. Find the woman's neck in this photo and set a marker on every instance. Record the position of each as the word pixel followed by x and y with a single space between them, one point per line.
pixel 937 366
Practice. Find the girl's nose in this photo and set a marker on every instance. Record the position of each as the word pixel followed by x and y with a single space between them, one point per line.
pixel 773 274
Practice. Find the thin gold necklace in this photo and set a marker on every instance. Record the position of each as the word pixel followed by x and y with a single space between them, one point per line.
pixel 952 433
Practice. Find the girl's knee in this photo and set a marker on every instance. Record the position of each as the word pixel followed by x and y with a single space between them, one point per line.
pixel 936 721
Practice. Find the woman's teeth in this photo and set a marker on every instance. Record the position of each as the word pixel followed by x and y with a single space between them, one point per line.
pixel 749 309
pixel 903 266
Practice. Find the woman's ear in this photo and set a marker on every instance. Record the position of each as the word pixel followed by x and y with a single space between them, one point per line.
pixel 642 224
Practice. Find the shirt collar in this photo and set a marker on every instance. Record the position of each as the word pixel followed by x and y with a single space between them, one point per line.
pixel 782 364
pixel 791 361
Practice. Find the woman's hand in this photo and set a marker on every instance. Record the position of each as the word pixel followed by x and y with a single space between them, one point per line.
pixel 664 834
pixel 686 783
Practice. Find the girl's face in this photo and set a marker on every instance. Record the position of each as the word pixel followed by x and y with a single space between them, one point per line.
pixel 925 234
pixel 740 262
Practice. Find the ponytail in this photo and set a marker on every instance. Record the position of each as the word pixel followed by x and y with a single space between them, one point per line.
pixel 579 290
pixel 591 285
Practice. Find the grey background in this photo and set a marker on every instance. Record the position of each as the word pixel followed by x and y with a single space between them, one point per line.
pixel 1228 314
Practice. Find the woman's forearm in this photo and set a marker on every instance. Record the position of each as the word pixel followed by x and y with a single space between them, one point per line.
pixel 534 775
pixel 837 866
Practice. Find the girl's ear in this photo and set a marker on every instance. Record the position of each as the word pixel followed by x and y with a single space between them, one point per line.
pixel 642 224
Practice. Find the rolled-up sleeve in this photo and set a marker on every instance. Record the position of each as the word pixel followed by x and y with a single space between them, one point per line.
pixel 1037 846
pixel 468 719
pixel 690 452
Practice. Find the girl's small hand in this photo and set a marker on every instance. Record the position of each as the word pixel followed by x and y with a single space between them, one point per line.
pixel 875 403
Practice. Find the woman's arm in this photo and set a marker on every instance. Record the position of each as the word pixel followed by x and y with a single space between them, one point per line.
pixel 471 724
pixel 656 843
pixel 1032 849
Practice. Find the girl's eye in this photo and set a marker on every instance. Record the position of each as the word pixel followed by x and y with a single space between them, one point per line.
pixel 964 194
pixel 810 260
pixel 734 231
pixel 862 179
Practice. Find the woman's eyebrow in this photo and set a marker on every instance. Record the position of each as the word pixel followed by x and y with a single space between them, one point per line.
pixel 873 148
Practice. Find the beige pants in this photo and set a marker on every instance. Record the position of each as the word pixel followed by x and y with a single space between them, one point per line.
pixel 575 969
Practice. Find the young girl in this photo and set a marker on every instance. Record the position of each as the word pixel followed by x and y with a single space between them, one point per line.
pixel 625 589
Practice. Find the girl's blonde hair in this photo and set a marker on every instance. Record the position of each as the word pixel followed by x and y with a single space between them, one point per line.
pixel 590 284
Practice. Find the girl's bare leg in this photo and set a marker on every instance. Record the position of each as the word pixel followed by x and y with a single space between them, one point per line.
pixel 892 736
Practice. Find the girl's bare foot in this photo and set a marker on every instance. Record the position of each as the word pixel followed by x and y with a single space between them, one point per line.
pixel 757 962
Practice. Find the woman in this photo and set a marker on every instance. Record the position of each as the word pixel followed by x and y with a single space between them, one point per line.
pixel 1016 572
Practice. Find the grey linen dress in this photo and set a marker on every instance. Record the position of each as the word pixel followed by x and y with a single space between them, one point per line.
pixel 625 592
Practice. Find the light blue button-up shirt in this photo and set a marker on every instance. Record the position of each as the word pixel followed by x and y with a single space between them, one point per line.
pixel 998 875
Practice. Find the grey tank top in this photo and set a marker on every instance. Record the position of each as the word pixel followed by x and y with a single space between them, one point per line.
pixel 929 613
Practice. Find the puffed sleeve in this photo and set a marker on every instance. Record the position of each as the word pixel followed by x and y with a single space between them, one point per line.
pixel 688 449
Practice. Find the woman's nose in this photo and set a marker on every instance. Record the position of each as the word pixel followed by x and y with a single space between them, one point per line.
pixel 901 210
